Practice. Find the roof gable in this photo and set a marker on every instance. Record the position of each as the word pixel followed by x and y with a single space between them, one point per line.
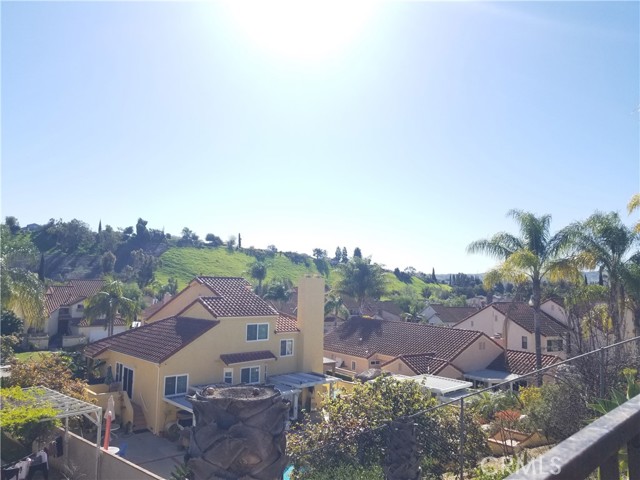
pixel 154 342
pixel 73 291
pixel 522 314
pixel 453 314
pixel 519 362
pixel 233 297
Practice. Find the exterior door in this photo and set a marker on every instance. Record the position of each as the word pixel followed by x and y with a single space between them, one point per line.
pixel 127 381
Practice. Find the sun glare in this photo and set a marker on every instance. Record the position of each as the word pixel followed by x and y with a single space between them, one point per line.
pixel 300 30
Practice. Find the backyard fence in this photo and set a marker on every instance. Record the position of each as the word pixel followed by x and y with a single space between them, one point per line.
pixel 484 431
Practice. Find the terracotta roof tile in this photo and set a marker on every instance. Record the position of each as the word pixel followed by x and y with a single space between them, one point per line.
pixel 522 314
pixel 453 314
pixel 362 337
pixel 233 358
pixel 83 322
pixel 286 323
pixel 233 297
pixel 71 292
pixel 520 363
pixel 154 342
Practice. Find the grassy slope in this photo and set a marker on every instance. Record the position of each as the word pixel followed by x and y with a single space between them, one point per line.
pixel 185 263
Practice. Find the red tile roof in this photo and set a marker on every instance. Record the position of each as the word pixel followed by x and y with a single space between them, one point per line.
pixel 522 314
pixel 233 297
pixel 520 363
pixel 362 337
pixel 453 314
pixel 151 309
pixel 154 342
pixel 83 322
pixel 286 323
pixel 233 358
pixel 71 292
pixel 422 363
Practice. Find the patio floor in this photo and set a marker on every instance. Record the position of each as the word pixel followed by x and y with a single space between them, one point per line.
pixel 158 455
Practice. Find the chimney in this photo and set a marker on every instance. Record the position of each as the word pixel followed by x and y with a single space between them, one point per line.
pixel 311 323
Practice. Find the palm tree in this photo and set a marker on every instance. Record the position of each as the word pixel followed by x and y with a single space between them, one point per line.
pixel 602 241
pixel 361 279
pixel 334 305
pixel 634 204
pixel 534 255
pixel 21 290
pixel 259 272
pixel 109 303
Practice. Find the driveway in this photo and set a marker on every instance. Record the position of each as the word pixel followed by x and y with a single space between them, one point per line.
pixel 158 455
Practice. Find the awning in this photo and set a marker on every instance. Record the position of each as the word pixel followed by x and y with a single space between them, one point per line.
pixel 436 384
pixel 492 376
pixel 302 380
pixel 179 401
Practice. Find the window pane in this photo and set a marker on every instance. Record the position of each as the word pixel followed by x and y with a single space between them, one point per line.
pixel 182 384
pixel 255 374
pixel 252 332
pixel 245 375
pixel 170 385
pixel 263 331
pixel 228 377
pixel 283 348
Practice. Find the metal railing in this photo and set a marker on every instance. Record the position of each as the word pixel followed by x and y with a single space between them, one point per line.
pixel 596 446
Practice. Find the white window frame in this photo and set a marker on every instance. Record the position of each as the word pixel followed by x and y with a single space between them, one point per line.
pixel 286 354
pixel 250 368
pixel 224 376
pixel 554 342
pixel 164 385
pixel 257 325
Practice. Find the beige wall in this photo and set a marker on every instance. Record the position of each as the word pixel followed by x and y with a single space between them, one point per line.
pixel 477 356
pixel 180 301
pixel 488 321
pixel 81 456
pixel 554 310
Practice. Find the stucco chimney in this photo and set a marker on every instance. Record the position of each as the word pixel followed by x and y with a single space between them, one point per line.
pixel 311 322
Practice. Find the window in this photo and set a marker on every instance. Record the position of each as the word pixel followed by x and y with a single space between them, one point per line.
pixel 353 365
pixel 374 362
pixel 250 375
pixel 118 372
pixel 554 345
pixel 257 331
pixel 228 376
pixel 286 348
pixel 524 342
pixel 80 307
pixel 482 345
pixel 175 385
pixel 472 323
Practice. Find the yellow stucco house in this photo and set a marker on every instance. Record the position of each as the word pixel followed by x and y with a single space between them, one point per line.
pixel 217 330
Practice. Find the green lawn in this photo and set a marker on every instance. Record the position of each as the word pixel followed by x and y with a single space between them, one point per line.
pixel 24 356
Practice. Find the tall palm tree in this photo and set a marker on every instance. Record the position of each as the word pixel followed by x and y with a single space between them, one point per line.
pixel 334 305
pixel 361 279
pixel 109 303
pixel 21 290
pixel 602 241
pixel 258 271
pixel 530 257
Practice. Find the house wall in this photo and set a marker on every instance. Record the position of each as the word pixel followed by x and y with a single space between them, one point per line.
pixel 477 355
pixel 554 310
pixel 361 364
pixel 488 321
pixel 180 301
pixel 97 332
pixel 311 323
pixel 197 310
pixel 51 326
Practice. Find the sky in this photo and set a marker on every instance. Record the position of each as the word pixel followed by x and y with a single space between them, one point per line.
pixel 407 129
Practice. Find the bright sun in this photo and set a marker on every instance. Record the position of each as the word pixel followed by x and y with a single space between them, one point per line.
pixel 301 30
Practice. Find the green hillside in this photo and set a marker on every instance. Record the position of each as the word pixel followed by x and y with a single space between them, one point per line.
pixel 186 263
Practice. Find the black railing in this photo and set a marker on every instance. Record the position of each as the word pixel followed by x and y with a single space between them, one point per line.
pixel 595 447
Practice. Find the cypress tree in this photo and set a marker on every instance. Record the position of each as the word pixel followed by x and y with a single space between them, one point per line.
pixel 41 268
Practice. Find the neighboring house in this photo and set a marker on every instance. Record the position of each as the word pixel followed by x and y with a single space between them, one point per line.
pixel 407 348
pixel 379 309
pixel 437 314
pixel 217 331
pixel 154 307
pixel 66 323
pixel 518 333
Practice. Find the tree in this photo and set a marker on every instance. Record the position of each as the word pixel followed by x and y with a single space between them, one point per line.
pixel 109 303
pixel 602 241
pixel 344 258
pixel 433 276
pixel 634 204
pixel 231 243
pixel 338 256
pixel 145 265
pixel 357 252
pixel 142 233
pixel 100 227
pixel 13 224
pixel 73 235
pixel 361 279
pixel 411 304
pixel 25 416
pixel 41 269
pixel 10 323
pixel 319 253
pixel 279 291
pixel 239 242
pixel 214 240
pixel 108 262
pixel 21 291
pixel 259 272
pixel 333 305
pixel 532 256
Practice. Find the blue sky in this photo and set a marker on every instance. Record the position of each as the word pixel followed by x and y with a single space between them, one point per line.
pixel 406 129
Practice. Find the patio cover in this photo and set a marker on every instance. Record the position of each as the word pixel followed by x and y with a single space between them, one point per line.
pixel 491 376
pixel 66 407
pixel 436 384
pixel 302 380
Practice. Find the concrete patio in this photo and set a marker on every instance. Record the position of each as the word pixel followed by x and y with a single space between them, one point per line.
pixel 158 455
